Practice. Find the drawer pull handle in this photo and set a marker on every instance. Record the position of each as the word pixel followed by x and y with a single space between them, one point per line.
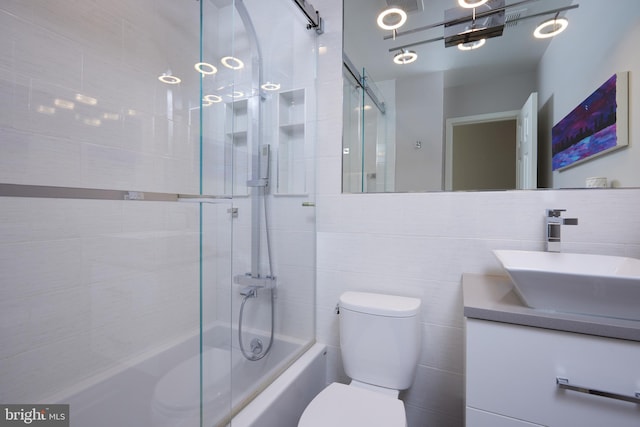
pixel 563 383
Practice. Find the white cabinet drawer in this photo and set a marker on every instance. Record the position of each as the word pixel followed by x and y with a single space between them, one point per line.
pixel 478 418
pixel 511 370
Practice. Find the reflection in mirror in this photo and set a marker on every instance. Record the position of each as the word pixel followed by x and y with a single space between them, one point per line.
pixel 409 143
pixel 366 135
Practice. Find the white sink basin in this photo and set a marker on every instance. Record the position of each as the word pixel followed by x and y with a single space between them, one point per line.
pixel 598 285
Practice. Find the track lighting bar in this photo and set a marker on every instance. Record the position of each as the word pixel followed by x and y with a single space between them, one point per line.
pixel 478 15
pixel 548 12
pixel 536 15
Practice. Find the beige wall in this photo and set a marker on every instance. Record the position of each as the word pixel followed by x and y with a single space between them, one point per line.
pixel 484 156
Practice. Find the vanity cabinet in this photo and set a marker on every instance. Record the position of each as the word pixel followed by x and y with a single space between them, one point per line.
pixel 511 373
pixel 476 417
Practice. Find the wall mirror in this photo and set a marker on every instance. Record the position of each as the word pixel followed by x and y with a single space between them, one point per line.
pixel 443 118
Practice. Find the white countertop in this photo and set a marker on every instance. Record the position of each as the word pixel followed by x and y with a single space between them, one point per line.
pixel 493 298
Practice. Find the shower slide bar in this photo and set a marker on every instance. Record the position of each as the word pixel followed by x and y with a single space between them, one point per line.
pixel 44 191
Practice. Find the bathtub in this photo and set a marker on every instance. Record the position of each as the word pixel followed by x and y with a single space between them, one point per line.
pixel 284 400
pixel 163 389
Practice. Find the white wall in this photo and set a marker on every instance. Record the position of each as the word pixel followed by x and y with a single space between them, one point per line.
pixel 567 75
pixel 88 284
pixel 424 103
pixel 492 94
pixel 419 117
pixel 421 244
pixel 51 54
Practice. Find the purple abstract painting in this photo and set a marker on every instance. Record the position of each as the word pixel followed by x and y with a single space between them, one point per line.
pixel 591 128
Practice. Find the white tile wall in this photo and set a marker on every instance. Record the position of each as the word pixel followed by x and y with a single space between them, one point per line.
pixel 136 131
pixel 89 284
pixel 424 252
pixel 86 285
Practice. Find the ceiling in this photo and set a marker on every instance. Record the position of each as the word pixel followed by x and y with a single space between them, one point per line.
pixel 515 51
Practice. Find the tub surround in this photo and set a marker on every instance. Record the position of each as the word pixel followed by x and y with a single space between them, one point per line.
pixel 494 298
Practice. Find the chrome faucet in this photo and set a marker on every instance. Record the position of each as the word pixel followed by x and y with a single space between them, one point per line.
pixel 554 224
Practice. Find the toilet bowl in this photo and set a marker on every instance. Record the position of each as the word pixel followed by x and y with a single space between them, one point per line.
pixel 341 405
pixel 380 346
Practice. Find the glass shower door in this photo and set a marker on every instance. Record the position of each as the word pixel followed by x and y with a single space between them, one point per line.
pixel 216 355
pixel 352 148
pixel 258 151
pixel 106 254
pixel 368 149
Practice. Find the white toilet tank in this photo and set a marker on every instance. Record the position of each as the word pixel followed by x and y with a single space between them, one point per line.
pixel 380 338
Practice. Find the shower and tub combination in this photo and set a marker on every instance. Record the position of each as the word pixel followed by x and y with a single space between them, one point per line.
pixel 160 259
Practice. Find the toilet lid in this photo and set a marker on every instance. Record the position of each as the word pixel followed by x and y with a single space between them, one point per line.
pixel 340 405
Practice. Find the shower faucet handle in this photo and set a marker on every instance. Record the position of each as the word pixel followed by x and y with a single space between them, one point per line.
pixel 268 282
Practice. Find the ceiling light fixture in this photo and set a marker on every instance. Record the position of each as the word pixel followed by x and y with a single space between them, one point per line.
pixel 212 99
pixel 472 45
pixel 470 5
pixel 205 68
pixel 64 104
pixel 551 28
pixel 270 86
pixel 49 111
pixel 464 26
pixel 89 121
pixel 231 62
pixel 392 18
pixel 169 79
pixel 236 94
pixel 85 99
pixel 405 57
pixel 111 116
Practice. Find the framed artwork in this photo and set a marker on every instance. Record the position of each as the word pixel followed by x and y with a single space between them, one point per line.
pixel 598 125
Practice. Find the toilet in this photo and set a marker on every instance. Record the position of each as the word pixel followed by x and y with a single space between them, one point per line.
pixel 380 346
